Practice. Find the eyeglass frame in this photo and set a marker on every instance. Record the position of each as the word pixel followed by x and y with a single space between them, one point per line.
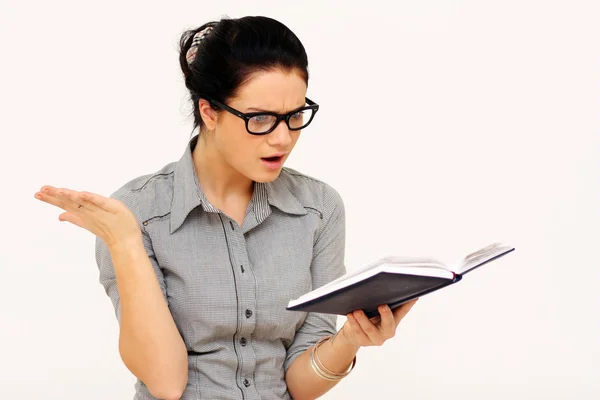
pixel 279 117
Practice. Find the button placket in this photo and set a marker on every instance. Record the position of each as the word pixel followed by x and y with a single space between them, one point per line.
pixel 246 295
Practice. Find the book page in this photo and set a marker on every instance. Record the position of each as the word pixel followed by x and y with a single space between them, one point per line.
pixel 481 256
pixel 395 260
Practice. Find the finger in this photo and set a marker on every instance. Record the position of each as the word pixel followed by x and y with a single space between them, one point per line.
pixel 50 195
pixel 67 199
pixel 376 319
pixel 60 198
pixel 56 195
pixel 79 199
pixel 369 328
pixel 99 201
pixel 388 322
pixel 401 311
pixel 71 199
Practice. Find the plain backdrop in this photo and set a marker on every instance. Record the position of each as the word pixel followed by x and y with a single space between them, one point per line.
pixel 445 126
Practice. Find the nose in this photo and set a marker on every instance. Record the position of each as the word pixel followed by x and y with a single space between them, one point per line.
pixel 280 136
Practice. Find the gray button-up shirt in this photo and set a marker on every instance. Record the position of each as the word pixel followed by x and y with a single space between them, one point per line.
pixel 227 285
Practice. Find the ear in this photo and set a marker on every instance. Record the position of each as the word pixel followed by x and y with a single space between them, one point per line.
pixel 209 116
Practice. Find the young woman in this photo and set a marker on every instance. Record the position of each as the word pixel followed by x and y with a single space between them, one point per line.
pixel 201 257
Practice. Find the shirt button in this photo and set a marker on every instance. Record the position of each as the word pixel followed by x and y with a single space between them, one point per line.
pixel 243 341
pixel 246 382
pixel 248 313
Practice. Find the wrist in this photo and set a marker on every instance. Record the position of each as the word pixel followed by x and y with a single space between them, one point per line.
pixel 334 359
pixel 125 245
pixel 341 341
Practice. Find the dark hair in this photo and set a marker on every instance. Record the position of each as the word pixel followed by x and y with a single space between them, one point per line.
pixel 232 51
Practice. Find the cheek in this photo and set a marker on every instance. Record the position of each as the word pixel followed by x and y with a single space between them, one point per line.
pixel 295 135
pixel 238 147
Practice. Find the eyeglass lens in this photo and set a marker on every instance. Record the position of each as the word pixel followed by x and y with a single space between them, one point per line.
pixel 264 122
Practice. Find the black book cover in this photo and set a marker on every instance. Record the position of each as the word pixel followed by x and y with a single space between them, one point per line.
pixel 383 288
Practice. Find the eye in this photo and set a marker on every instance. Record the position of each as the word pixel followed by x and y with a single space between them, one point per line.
pixel 259 118
pixel 297 115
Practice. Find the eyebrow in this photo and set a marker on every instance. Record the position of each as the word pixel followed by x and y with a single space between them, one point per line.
pixel 255 109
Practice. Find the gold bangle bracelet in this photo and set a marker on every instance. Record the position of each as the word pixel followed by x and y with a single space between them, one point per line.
pixel 321 370
pixel 317 371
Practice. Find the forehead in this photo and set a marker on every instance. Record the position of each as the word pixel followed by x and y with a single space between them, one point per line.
pixel 272 90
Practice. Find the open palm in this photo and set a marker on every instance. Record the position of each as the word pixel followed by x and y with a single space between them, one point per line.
pixel 105 217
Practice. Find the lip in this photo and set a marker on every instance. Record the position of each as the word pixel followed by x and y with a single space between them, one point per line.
pixel 275 155
pixel 273 165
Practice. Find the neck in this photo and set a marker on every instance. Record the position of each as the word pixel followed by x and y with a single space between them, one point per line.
pixel 220 182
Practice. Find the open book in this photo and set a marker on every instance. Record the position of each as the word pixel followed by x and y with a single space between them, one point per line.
pixel 392 281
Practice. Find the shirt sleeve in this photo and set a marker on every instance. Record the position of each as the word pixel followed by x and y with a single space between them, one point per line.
pixel 327 265
pixel 105 264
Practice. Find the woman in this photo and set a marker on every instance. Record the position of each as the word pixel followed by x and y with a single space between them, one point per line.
pixel 201 257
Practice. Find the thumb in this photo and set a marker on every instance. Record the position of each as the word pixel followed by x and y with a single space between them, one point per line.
pixel 72 218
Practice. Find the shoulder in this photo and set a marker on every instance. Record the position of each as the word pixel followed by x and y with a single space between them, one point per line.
pixel 312 192
pixel 149 194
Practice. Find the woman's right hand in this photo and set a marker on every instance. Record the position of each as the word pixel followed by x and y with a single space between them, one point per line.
pixel 108 218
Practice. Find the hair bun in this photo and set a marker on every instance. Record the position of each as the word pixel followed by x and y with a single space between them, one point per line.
pixel 190 56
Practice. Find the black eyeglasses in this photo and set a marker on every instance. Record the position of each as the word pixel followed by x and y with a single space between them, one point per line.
pixel 264 122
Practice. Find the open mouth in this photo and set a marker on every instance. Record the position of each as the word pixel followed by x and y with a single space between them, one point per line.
pixel 273 163
pixel 272 159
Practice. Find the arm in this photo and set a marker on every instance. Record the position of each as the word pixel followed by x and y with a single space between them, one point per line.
pixel 337 353
pixel 327 264
pixel 149 343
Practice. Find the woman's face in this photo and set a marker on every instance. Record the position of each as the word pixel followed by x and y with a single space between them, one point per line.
pixel 252 155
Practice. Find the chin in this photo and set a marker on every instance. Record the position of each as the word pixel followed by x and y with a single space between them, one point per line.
pixel 266 177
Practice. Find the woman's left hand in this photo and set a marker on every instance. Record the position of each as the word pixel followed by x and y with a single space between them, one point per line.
pixel 360 331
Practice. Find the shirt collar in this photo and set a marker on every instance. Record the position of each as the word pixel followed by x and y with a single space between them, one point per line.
pixel 188 194
pixel 280 196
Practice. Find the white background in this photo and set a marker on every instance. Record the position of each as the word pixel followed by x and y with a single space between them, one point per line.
pixel 445 125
